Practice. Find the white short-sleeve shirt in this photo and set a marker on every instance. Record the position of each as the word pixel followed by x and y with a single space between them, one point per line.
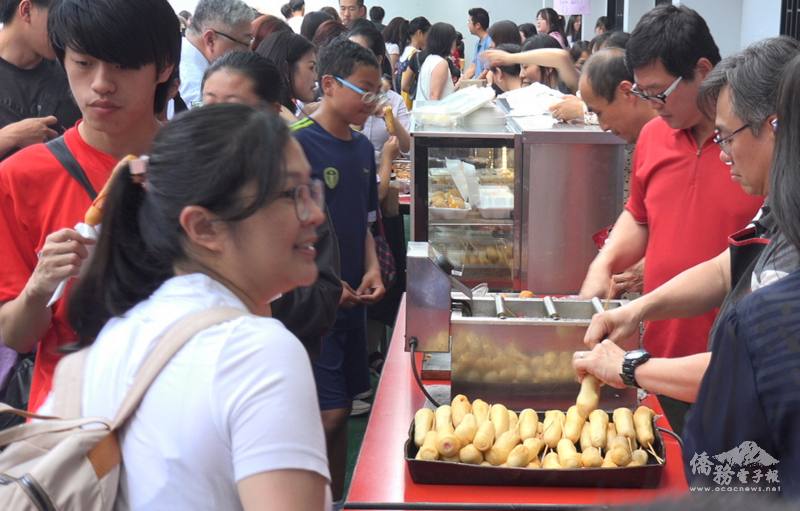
pixel 424 80
pixel 237 400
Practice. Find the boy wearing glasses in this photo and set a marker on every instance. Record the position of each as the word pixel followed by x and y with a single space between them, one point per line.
pixel 344 160
pixel 217 27
pixel 683 203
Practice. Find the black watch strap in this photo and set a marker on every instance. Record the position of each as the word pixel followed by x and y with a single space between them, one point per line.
pixel 630 364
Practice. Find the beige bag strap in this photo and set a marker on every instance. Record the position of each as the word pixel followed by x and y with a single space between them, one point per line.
pixel 6 408
pixel 166 347
pixel 25 431
pixel 68 385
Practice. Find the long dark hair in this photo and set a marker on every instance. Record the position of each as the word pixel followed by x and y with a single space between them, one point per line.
pixel 311 23
pixel 397 32
pixel 284 49
pixel 504 32
pixel 570 30
pixel 440 39
pixel 549 74
pixel 784 187
pixel 368 30
pixel 141 241
pixel 264 26
pixel 327 32
pixel 554 20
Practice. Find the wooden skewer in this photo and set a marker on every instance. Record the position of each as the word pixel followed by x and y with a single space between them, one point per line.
pixel 656 456
pixel 609 294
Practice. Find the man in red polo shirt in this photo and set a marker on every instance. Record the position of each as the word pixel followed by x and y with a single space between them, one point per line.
pixel 119 79
pixel 683 203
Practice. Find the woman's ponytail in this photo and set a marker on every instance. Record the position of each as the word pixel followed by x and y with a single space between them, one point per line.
pixel 120 273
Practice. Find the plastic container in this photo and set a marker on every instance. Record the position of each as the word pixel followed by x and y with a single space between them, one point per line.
pixel 450 213
pixel 497 202
pixel 449 111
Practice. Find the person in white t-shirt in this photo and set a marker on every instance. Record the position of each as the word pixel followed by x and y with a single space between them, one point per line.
pixel 395 36
pixel 435 80
pixel 298 8
pixel 233 421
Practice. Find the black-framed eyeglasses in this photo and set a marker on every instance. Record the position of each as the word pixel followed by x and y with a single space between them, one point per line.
pixel 724 143
pixel 369 98
pixel 662 98
pixel 231 38
pixel 305 196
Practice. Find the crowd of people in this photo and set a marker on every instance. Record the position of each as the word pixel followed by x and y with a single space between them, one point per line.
pixel 243 161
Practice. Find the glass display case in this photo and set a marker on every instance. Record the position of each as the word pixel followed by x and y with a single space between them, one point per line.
pixel 467 198
pixel 517 208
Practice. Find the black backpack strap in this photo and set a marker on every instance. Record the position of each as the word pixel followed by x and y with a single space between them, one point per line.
pixel 59 148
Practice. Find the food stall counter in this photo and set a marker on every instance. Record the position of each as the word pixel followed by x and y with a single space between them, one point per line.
pixel 381 479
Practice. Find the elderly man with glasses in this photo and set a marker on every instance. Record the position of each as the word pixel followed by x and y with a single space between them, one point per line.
pixel 683 202
pixel 217 27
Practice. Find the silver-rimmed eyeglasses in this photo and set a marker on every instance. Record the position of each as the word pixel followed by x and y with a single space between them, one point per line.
pixel 724 143
pixel 661 98
pixel 305 196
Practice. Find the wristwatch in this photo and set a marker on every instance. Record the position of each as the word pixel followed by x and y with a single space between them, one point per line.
pixel 630 362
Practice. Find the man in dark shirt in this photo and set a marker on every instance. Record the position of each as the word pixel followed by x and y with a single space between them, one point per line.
pixel 743 428
pixel 35 101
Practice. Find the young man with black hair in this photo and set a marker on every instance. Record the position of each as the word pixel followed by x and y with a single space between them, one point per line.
pixel 478 24
pixel 118 86
pixel 683 203
pixel 35 102
pixel 351 11
pixel 217 27
pixel 350 80
pixel 376 15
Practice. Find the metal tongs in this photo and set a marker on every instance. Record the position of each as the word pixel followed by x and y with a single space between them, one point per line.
pixel 598 305
pixel 447 267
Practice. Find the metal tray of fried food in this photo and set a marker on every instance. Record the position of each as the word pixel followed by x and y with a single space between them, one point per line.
pixel 446 472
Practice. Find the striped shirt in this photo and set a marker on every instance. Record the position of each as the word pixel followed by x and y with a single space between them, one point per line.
pixel 751 390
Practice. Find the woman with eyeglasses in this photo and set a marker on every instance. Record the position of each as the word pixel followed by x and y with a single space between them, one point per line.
pixel 296 60
pixel 549 22
pixel 748 404
pixel 232 422
pixel 435 80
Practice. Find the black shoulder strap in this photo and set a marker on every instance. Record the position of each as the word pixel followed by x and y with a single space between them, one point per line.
pixel 59 148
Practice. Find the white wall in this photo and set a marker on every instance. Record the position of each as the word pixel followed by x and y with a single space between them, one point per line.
pixel 733 23
pixel 760 19
pixel 634 10
pixel 725 25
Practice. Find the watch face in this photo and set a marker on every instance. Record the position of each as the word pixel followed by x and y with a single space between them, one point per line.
pixel 635 354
